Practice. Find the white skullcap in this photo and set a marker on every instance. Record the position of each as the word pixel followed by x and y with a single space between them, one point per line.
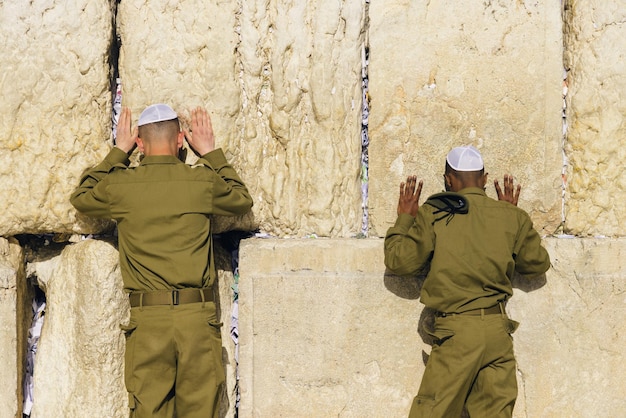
pixel 465 159
pixel 156 113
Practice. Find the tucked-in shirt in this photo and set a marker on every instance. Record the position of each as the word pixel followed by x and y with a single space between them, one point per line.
pixel 162 208
pixel 469 258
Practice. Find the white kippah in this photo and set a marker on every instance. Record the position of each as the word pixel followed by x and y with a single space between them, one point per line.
pixel 156 113
pixel 465 159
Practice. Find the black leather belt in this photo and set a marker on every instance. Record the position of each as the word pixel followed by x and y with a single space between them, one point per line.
pixel 171 297
pixel 475 312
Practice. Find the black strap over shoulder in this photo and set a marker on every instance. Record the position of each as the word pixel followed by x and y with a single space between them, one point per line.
pixel 450 203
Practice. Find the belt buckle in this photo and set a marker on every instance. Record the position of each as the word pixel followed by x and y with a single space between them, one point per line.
pixel 175 297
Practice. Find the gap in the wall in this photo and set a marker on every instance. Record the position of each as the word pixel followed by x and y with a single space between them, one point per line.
pixel 365 141
pixel 115 81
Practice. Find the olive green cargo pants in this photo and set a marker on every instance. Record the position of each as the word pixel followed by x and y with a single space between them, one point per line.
pixel 174 361
pixel 471 364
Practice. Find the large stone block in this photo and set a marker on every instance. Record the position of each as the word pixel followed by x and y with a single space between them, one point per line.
pixel 570 346
pixel 14 320
pixel 301 114
pixel 79 369
pixel 444 74
pixel 190 62
pixel 282 83
pixel 55 109
pixel 325 331
pixel 594 55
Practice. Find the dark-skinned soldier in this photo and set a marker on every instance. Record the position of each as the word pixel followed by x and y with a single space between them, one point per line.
pixel 470 245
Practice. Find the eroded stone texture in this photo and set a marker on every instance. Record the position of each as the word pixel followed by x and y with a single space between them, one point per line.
pixel 299 147
pixel 443 74
pixel 188 62
pixel 570 344
pixel 55 109
pixel 79 369
pixel 79 365
pixel 12 325
pixel 282 82
pixel 325 329
pixel 594 55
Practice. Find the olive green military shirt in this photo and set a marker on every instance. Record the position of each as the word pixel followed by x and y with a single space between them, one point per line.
pixel 469 258
pixel 162 210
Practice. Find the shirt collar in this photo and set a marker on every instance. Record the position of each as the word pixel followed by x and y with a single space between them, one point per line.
pixel 160 159
pixel 473 190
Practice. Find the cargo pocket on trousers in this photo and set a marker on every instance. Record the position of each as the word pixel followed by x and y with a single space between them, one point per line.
pixel 422 407
pixel 216 347
pixel 215 325
pixel 132 404
pixel 129 354
pixel 441 335
pixel 510 325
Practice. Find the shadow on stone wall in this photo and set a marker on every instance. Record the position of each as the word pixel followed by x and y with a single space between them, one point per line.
pixel 410 287
pixel 527 285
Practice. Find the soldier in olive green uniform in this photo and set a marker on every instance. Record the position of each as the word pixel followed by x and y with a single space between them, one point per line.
pixel 162 209
pixel 471 245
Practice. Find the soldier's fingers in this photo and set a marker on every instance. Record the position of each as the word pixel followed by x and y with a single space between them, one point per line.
pixel 418 191
pixel 498 189
pixel 517 193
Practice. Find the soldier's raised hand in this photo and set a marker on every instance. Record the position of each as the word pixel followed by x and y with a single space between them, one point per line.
pixel 410 196
pixel 511 193
pixel 201 136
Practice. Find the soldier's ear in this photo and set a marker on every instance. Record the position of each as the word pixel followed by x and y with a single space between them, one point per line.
pixel 139 142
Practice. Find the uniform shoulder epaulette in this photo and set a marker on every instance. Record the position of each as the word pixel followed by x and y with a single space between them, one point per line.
pixel 450 203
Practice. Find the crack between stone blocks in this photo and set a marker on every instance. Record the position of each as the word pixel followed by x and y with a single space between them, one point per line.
pixel 365 125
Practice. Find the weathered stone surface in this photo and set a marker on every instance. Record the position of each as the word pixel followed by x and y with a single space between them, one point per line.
pixel 12 325
pixel 443 74
pixel 79 368
pixel 189 62
pixel 321 334
pixel 55 109
pixel 594 55
pixel 300 119
pixel 79 364
pixel 282 82
pixel 325 330
pixel 570 346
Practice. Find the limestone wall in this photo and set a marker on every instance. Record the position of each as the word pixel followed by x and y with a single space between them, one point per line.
pixel 596 117
pixel 321 321
pixel 79 368
pixel 55 109
pixel 460 75
pixel 13 310
pixel 282 83
pixel 335 334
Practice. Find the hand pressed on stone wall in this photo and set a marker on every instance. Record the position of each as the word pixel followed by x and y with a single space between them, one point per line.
pixel 409 196
pixel 509 195
pixel 469 245
pixel 126 136
pixel 200 138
